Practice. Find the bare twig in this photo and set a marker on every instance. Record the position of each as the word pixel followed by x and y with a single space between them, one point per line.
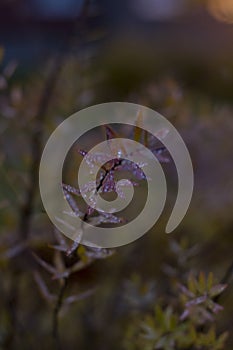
pixel 57 308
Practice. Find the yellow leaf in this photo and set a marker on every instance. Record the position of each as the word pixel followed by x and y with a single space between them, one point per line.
pixel 138 124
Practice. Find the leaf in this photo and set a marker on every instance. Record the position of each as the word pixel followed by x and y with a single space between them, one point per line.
pixel 192 284
pixel 196 301
pixel 120 185
pixel 15 250
pixel 71 189
pixel 105 218
pixel 62 246
pixel 82 253
pixel 60 275
pixel 146 138
pixel 72 203
pixel 159 314
pixel 149 332
pixel 134 168
pixel 96 159
pixel 43 288
pixel 109 183
pixel 110 133
pixel 111 218
pixel 161 343
pixel 168 317
pixel 210 281
pixel 202 282
pixel 138 128
pixel 58 262
pixel 90 210
pixel 80 265
pixel 99 253
pixel 186 291
pixel 58 247
pixel 221 341
pixel 65 223
pixel 214 307
pixel 218 289
pixel 175 247
pixel 211 335
pixel 116 150
pixel 74 298
pixel 184 315
pixel 60 238
pixel 89 187
pixel 73 248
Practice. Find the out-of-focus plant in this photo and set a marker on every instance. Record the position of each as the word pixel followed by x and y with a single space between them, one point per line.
pixel 184 319
pixel 104 184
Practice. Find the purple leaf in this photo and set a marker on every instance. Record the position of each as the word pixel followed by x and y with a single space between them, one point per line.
pixel 197 301
pixel 110 133
pixel 43 288
pixel 71 189
pixel 72 203
pixel 73 247
pixel 134 168
pixel 218 289
pixel 109 183
pixel 74 298
pixel 99 253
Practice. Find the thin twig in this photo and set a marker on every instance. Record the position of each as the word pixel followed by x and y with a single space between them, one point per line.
pixel 57 308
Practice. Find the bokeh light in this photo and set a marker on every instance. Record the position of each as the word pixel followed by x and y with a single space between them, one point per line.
pixel 150 10
pixel 222 10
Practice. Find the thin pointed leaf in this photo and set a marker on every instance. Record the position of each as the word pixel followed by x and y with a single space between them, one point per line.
pixel 218 289
pixel 51 269
pixel 75 298
pixel 139 126
pixel 43 287
pixel 71 189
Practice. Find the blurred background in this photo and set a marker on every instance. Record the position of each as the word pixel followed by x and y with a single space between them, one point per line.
pixel 58 57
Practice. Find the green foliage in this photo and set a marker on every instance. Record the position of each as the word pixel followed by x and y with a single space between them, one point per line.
pixel 187 324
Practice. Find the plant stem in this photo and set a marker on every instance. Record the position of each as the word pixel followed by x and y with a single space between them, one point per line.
pixel 57 308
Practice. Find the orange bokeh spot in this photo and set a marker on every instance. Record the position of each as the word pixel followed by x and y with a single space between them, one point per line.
pixel 222 10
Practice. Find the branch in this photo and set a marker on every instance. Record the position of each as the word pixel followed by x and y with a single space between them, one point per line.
pixel 57 308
